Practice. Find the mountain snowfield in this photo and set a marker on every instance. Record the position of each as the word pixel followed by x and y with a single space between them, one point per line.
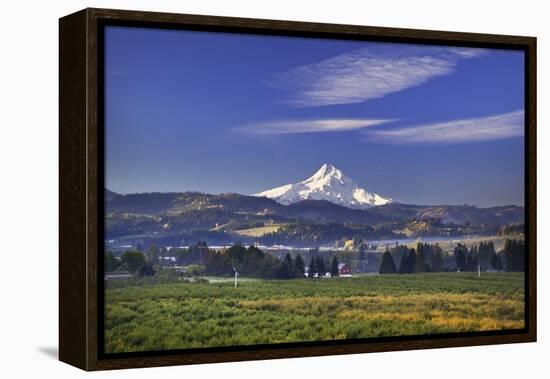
pixel 330 184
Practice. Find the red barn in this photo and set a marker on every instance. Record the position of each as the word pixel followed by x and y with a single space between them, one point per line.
pixel 344 269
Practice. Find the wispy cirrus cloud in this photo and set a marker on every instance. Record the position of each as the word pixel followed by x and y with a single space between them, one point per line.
pixel 495 127
pixel 309 126
pixel 369 73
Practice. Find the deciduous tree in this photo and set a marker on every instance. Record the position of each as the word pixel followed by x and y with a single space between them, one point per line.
pixel 132 261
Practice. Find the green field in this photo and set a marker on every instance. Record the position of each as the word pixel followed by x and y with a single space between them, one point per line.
pixel 257 232
pixel 148 316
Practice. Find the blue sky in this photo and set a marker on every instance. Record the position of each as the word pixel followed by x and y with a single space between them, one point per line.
pixel 219 112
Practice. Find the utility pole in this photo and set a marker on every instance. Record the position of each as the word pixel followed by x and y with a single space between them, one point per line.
pixel 236 277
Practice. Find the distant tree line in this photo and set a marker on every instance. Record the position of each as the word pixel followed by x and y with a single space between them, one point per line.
pixel 319 267
pixel 425 258
pixel 484 257
pixel 430 258
pixel 253 262
pixel 514 254
pixel 194 254
pixel 132 261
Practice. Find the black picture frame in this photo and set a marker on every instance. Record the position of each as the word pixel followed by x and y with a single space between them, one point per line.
pixel 81 188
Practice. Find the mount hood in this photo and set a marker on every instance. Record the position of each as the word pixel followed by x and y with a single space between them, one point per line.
pixel 330 184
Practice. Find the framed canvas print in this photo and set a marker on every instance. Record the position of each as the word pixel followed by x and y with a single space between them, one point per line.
pixel 237 189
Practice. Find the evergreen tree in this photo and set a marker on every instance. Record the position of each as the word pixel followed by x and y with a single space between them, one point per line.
pixel 496 262
pixel 321 268
pixel 484 255
pixel 284 271
pixel 312 267
pixel 437 261
pixel 403 264
pixel 420 264
pixel 299 266
pixel 398 252
pixel 288 260
pixel 412 261
pixel 334 267
pixel 408 262
pixel 475 258
pixel 514 255
pixel 387 265
pixel 488 253
pixel 460 252
pixel 471 261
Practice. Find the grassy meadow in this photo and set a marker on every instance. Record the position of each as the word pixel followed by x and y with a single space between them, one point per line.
pixel 145 316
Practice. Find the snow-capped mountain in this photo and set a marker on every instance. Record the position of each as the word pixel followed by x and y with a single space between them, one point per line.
pixel 328 183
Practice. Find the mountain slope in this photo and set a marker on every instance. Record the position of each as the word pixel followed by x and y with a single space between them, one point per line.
pixel 167 219
pixel 195 206
pixel 330 184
